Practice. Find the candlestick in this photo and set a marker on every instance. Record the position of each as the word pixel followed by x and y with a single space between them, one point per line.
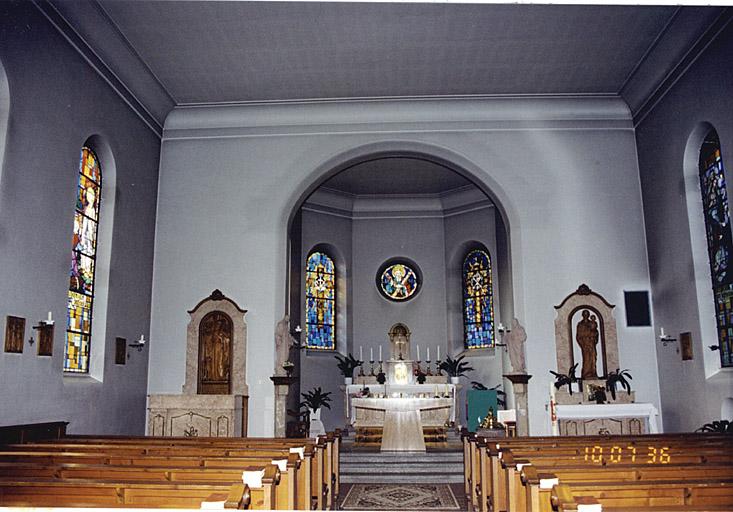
pixel 142 339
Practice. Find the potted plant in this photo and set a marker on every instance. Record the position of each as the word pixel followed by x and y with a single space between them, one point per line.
pixel 314 400
pixel 618 377
pixel 562 379
pixel 717 426
pixel 455 368
pixel 347 365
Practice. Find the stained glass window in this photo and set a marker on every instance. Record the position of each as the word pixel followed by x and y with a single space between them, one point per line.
pixel 720 244
pixel 81 274
pixel 398 281
pixel 478 300
pixel 320 302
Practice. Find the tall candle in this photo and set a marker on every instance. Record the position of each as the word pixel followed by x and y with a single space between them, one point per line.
pixel 438 352
pixel 361 355
pixel 50 318
pixel 380 352
pixel 371 354
pixel 662 332
pixel 418 352
pixel 428 358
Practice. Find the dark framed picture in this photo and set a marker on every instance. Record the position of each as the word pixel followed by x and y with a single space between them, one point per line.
pixel 45 340
pixel 120 350
pixel 14 334
pixel 686 346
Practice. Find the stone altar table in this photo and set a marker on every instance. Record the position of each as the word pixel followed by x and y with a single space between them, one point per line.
pixel 593 419
pixel 402 419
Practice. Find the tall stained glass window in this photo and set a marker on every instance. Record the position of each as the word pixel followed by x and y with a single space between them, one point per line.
pixel 720 244
pixel 320 302
pixel 478 300
pixel 83 260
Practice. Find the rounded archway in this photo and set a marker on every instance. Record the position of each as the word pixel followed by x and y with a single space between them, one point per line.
pixel 398 200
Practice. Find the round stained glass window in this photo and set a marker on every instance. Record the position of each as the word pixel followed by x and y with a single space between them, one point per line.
pixel 398 280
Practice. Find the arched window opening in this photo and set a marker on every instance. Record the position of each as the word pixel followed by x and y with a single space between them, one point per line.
pixel 320 302
pixel 478 300
pixel 719 240
pixel 83 263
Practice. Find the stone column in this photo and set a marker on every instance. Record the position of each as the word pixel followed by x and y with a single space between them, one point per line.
pixel 282 385
pixel 519 384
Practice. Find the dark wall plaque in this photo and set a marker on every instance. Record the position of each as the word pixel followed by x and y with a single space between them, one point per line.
pixel 686 346
pixel 637 309
pixel 120 350
pixel 45 339
pixel 14 334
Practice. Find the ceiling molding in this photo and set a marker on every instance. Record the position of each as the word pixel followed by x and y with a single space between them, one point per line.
pixel 641 108
pixel 111 56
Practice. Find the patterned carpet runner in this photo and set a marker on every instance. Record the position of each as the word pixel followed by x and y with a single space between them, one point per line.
pixel 400 497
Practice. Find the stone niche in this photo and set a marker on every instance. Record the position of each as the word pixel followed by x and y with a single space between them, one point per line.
pixel 214 398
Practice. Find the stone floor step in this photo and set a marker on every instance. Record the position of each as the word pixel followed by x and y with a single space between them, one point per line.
pixel 401 478
pixel 403 469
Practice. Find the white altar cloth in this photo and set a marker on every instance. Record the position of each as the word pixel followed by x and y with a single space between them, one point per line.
pixel 582 411
pixel 402 419
pixel 424 391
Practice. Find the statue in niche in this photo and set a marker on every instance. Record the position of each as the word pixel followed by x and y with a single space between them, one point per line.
pixel 215 347
pixel 399 337
pixel 586 335
pixel 283 341
pixel 515 340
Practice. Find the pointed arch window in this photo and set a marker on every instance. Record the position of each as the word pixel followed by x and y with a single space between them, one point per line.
pixel 719 240
pixel 478 300
pixel 320 301
pixel 83 263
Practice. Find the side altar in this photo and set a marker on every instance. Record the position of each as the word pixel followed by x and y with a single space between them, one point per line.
pixel 400 409
pixel 214 398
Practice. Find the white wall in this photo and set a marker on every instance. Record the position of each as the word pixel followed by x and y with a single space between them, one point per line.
pixel 562 171
pixel 57 102
pixel 669 138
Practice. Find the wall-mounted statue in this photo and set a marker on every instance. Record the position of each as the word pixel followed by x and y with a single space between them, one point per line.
pixel 585 334
pixel 515 340
pixel 283 341
pixel 215 353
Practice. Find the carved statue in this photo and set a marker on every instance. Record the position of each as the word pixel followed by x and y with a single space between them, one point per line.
pixel 587 337
pixel 399 337
pixel 216 335
pixel 283 341
pixel 515 340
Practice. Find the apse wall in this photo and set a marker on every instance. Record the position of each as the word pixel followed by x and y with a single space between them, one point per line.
pixel 57 103
pixel 693 392
pixel 563 172
pixel 363 232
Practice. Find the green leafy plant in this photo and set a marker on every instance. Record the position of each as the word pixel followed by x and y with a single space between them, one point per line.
pixel 618 377
pixel 348 364
pixel 562 379
pixel 718 426
pixel 455 367
pixel 315 399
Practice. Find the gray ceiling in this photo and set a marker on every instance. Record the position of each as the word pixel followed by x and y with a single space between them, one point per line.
pixel 180 52
pixel 396 176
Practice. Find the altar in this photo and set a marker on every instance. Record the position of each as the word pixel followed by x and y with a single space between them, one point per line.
pixel 400 408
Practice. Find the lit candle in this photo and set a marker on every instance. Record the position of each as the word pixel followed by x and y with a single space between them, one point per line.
pixel 380 352
pixel 428 358
pixel 418 352
pixel 371 354
pixel 438 352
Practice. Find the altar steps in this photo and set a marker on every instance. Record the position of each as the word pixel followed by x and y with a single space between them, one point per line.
pixel 401 467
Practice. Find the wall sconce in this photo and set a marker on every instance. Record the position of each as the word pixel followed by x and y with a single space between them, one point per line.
pixel 664 338
pixel 502 331
pixel 139 344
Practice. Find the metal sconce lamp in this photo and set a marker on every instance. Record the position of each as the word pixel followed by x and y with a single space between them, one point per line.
pixel 42 324
pixel 502 331
pixel 665 338
pixel 139 344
